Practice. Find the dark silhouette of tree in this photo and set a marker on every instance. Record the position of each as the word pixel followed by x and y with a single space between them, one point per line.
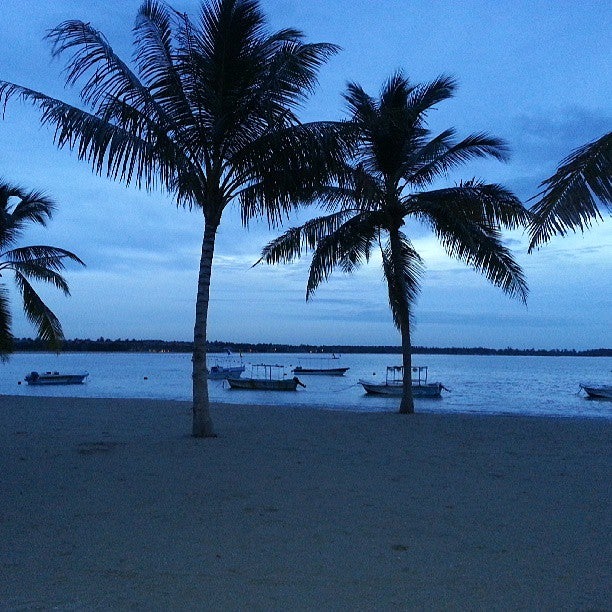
pixel 207 113
pixel 383 184
pixel 569 199
pixel 18 208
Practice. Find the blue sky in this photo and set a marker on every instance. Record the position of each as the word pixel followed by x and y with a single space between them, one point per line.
pixel 535 73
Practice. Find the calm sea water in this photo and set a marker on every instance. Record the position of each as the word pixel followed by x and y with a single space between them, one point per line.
pixel 478 384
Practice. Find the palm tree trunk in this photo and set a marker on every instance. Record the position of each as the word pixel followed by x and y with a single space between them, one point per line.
pixel 202 423
pixel 407 403
pixel 403 314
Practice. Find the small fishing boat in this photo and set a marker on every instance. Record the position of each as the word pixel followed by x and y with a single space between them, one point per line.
pixel 394 385
pixel 319 366
pixel 597 391
pixel 320 371
pixel 265 377
pixel 55 378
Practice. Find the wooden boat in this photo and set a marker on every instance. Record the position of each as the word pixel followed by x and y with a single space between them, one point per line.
pixel 266 377
pixel 394 385
pixel 597 391
pixel 320 371
pixel 318 366
pixel 55 378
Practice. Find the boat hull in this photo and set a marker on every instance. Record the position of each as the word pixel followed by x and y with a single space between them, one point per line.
pixel 259 384
pixel 597 391
pixel 320 371
pixel 55 378
pixel 396 390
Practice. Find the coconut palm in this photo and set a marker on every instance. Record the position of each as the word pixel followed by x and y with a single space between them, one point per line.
pixel 383 185
pixel 39 263
pixel 569 199
pixel 208 113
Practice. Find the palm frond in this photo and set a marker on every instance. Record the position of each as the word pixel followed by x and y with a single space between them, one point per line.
pixel 347 247
pixel 32 207
pixel 472 201
pixel 40 263
pixel 298 240
pixel 440 155
pixel 423 97
pixel 480 246
pixel 39 314
pixel 362 107
pixel 147 157
pixel 569 200
pixel 52 257
pixel 171 75
pixel 6 337
pixel 286 167
pixel 93 60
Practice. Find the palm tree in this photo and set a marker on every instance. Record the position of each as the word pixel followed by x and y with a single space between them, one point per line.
pixel 39 263
pixel 569 197
pixel 208 114
pixel 383 184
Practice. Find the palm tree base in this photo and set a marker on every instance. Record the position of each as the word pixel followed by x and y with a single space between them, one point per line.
pixel 406 408
pixel 202 428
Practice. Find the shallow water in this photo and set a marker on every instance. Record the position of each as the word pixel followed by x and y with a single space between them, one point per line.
pixel 478 384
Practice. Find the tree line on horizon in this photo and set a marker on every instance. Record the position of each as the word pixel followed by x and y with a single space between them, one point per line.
pixel 208 113
pixel 106 345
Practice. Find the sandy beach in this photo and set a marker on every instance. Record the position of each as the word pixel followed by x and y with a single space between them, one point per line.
pixel 110 504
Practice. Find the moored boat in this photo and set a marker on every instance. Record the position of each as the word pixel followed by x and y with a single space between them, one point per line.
pixel 219 372
pixel 319 366
pixel 320 371
pixel 266 377
pixel 55 378
pixel 597 391
pixel 394 386
pixel 226 366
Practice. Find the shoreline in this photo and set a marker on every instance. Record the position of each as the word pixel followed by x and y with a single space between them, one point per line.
pixel 112 504
pixel 292 408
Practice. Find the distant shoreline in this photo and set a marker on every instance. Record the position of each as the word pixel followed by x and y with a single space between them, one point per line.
pixel 105 345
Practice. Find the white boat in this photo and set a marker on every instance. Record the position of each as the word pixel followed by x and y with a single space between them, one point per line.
pixel 226 366
pixel 219 372
pixel 55 378
pixel 266 377
pixel 394 385
pixel 597 391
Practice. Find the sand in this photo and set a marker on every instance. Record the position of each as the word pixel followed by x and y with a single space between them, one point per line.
pixel 110 504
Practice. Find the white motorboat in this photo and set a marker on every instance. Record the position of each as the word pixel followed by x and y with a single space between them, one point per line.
pixel 393 384
pixel 265 377
pixel 597 391
pixel 219 372
pixel 55 378
pixel 226 366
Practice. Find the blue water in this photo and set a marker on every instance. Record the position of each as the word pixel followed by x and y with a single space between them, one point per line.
pixel 478 384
